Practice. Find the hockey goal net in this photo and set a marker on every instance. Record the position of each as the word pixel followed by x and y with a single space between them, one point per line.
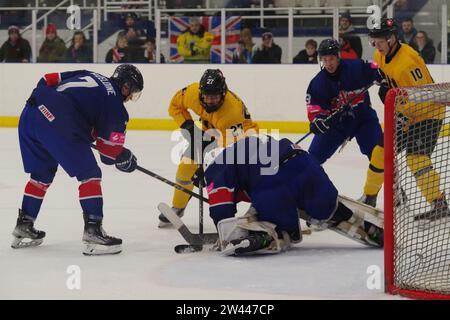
pixel 417 191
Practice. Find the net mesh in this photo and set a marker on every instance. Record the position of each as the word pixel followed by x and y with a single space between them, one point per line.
pixel 421 189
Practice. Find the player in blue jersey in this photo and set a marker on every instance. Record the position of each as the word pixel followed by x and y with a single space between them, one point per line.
pixel 65 113
pixel 340 82
pixel 280 180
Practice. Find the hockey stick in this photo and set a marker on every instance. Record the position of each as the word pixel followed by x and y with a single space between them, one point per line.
pixel 173 184
pixel 342 108
pixel 170 183
pixel 195 241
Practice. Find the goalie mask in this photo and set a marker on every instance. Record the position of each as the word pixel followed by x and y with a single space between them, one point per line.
pixel 212 90
pixel 129 75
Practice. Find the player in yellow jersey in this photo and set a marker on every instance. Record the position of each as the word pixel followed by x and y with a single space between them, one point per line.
pixel 218 108
pixel 418 128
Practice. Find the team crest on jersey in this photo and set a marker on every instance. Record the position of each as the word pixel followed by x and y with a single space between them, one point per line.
pixel 117 137
pixel 47 114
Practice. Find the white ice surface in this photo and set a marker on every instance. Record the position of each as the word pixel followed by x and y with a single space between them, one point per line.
pixel 324 266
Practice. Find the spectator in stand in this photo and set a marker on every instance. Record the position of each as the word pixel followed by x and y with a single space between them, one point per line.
pixel 135 44
pixel 150 52
pixel 79 51
pixel 194 44
pixel 268 51
pixel 424 46
pixel 408 32
pixel 131 21
pixel 53 48
pixel 244 51
pixel 15 49
pixel 119 54
pixel 351 45
pixel 307 55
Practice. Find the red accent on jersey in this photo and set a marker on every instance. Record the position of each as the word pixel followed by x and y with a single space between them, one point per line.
pixel 345 97
pixel 221 196
pixel 314 109
pixel 90 189
pixel 52 79
pixel 108 149
pixel 242 196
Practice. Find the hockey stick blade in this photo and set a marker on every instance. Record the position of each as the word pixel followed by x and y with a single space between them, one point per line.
pixel 191 238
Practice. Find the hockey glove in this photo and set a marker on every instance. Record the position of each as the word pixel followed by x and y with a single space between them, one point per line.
pixel 197 138
pixel 188 128
pixel 198 177
pixel 320 124
pixel 126 161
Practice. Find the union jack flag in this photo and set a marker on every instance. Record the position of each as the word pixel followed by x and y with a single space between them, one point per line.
pixel 212 24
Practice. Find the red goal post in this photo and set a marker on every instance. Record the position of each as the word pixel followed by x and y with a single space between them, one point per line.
pixel 417 229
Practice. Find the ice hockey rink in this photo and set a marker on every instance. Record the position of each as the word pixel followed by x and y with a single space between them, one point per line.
pixel 324 266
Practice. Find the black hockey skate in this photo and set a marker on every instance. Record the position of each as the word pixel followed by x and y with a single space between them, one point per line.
pixel 256 240
pixel 97 241
pixel 163 222
pixel 375 235
pixel 25 235
pixel 439 210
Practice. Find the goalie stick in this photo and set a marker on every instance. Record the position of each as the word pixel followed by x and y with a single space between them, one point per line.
pixel 195 241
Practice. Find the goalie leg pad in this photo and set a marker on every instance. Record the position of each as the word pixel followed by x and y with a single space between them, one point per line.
pixel 234 233
pixel 351 225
